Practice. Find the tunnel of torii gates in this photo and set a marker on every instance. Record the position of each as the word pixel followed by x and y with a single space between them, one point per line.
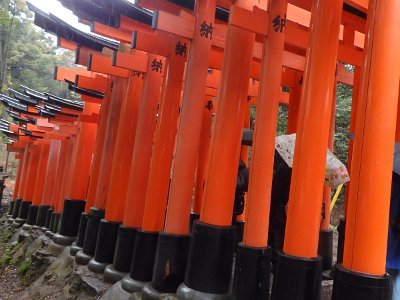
pixel 138 177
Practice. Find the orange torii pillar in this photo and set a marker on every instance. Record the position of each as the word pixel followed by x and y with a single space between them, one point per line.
pixel 294 104
pixel 18 181
pixel 95 168
pixel 298 270
pixel 209 266
pixel 362 274
pixel 39 185
pixel 159 176
pixel 251 280
pixel 78 178
pixel 54 215
pixel 173 242
pixel 139 170
pixel 19 196
pixel 29 188
pixel 202 160
pixel 353 118
pixel 97 211
pixel 50 182
pixel 20 157
pixel 118 185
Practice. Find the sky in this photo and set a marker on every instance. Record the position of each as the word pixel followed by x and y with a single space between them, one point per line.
pixel 55 7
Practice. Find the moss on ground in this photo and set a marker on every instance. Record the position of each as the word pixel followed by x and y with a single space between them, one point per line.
pixel 24 266
pixel 9 251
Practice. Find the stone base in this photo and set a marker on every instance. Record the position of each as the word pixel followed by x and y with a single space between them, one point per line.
pixel 82 258
pixel 74 249
pixel 63 240
pixel 116 292
pixel 10 220
pixel 113 275
pixel 97 267
pixel 27 227
pixel 56 249
pixel 19 221
pixel 35 227
pixel 131 285
pixel 16 224
pixel 49 234
pixel 150 293
pixel 186 293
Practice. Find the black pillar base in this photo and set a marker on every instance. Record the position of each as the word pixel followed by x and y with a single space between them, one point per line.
pixel 42 214
pixel 16 207
pixel 239 225
pixel 32 215
pixel 325 248
pixel 70 217
pixel 297 278
pixel 340 247
pixel 56 222
pixel 69 222
pixel 92 230
pixel 82 230
pixel 193 217
pixel 49 222
pixel 172 253
pixel 252 269
pixel 349 285
pixel 11 207
pixel 78 244
pixel 209 267
pixel 124 249
pixel 73 250
pixel 24 210
pixel 105 246
pixel 144 255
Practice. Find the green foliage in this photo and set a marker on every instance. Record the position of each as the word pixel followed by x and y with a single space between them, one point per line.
pixel 282 120
pixel 26 263
pixel 28 55
pixel 342 121
pixel 9 251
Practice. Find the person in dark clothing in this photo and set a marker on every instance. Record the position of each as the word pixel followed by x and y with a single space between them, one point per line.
pixel 393 246
pixel 279 199
pixel 242 182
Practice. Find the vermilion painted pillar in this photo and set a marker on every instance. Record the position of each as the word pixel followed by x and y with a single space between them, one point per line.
pixel 98 151
pixel 118 185
pixel 76 189
pixel 95 215
pixel 50 182
pixel 19 181
pixel 160 170
pixel 97 211
pixel 139 171
pixel 202 160
pixel 253 254
pixel 299 266
pixel 364 257
pixel 29 188
pixel 209 267
pixel 39 183
pixel 173 242
pixel 61 184
pixel 294 104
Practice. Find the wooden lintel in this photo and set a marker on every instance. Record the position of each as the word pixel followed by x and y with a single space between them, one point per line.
pixel 103 64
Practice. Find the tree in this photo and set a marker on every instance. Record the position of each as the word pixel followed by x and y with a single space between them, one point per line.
pixel 28 54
